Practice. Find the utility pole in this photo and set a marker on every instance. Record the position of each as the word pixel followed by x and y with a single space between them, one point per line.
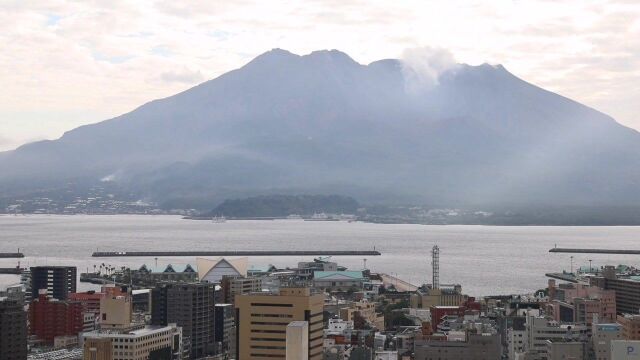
pixel 571 264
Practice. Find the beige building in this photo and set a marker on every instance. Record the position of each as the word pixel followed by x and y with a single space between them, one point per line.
pixel 262 320
pixel 298 340
pixel 97 348
pixel 115 309
pixel 160 342
pixel 630 326
pixel 365 309
pixel 425 298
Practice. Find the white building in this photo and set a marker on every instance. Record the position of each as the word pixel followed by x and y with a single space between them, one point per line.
pixel 212 270
pixel 385 355
pixel 135 344
pixel 539 330
pixel 625 349
pixel 297 341
pixel 338 327
pixel 602 335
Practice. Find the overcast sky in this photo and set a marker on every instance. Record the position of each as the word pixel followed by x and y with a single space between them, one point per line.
pixel 64 64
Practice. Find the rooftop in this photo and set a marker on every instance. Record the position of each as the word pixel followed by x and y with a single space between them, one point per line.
pixel 324 275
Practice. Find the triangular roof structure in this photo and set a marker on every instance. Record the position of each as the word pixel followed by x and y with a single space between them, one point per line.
pixel 212 270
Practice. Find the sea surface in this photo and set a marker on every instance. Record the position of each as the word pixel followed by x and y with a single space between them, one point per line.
pixel 485 260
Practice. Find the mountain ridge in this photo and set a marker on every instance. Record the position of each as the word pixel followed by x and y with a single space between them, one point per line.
pixel 286 122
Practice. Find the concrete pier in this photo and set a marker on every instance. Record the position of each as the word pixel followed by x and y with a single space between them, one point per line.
pixel 595 251
pixel 11 271
pixel 15 255
pixel 236 253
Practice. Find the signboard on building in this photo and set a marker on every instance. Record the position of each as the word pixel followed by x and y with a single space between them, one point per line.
pixel 625 349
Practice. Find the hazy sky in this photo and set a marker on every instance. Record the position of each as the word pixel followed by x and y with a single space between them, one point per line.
pixel 63 64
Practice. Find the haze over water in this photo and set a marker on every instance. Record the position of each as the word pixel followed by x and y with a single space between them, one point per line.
pixel 485 260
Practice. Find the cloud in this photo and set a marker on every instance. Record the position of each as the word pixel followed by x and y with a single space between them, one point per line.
pixel 184 76
pixel 109 57
pixel 423 66
pixel 4 142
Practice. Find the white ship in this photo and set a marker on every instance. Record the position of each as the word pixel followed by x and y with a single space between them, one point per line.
pixel 218 219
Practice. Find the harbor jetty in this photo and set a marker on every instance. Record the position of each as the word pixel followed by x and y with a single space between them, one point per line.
pixel 594 251
pixel 237 253
pixel 14 255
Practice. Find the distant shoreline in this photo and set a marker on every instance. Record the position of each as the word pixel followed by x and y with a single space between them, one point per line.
pixel 205 218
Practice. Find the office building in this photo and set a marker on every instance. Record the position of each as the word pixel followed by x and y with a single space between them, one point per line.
pixel 460 345
pixel 561 350
pixel 51 317
pixel 136 343
pixel 190 306
pixel 14 292
pixel 630 326
pixel 579 303
pixel 297 341
pixel 601 337
pixel 58 281
pixel 232 286
pixel 116 308
pixel 539 330
pixel 364 309
pixel 13 330
pixel 225 331
pixel 625 349
pixel 90 300
pixel 627 290
pixel 262 320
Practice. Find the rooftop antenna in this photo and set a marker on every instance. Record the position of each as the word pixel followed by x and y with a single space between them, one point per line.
pixel 435 264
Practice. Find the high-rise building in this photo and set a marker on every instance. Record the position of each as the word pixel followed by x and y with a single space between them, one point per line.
pixel 190 306
pixel 13 330
pixel 225 332
pixel 59 281
pixel 262 320
pixel 52 317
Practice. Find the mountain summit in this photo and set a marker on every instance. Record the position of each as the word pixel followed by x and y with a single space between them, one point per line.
pixel 323 123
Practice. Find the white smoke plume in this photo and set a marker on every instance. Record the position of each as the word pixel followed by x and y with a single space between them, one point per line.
pixel 423 66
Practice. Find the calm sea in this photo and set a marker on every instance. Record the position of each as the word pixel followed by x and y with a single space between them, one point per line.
pixel 484 259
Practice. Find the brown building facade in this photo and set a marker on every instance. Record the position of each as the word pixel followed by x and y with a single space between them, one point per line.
pixel 262 319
